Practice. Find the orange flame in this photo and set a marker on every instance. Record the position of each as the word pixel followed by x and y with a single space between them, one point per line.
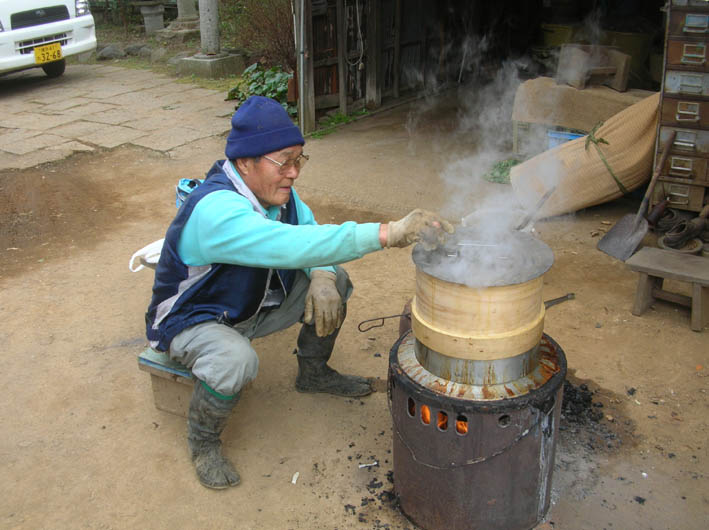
pixel 442 421
pixel 425 414
pixel 461 426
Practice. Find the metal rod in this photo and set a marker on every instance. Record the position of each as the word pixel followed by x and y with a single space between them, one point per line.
pixel 380 320
pixel 554 301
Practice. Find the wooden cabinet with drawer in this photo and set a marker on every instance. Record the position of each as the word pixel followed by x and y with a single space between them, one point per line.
pixel 693 142
pixel 682 54
pixel 680 196
pixel 684 112
pixel 688 22
pixel 692 169
pixel 684 107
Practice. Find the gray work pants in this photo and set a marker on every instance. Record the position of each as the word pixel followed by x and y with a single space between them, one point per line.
pixel 222 355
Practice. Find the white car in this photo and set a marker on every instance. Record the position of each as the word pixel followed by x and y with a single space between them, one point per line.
pixel 41 33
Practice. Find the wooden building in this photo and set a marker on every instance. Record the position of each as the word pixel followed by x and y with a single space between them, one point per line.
pixel 354 54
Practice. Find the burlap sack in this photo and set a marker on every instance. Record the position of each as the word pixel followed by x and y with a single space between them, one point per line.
pixel 579 174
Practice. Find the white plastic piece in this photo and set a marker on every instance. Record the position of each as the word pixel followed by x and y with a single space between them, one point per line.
pixel 147 256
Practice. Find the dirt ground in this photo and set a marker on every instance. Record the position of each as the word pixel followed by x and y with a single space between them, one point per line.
pixel 83 446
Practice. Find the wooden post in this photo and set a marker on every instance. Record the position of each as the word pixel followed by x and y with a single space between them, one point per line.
pixel 309 122
pixel 397 45
pixel 306 104
pixel 342 56
pixel 373 96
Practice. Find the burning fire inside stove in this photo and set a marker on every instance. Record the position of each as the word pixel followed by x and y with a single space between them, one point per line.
pixel 475 387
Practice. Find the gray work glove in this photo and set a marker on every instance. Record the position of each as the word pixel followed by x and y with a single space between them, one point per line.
pixel 418 225
pixel 323 303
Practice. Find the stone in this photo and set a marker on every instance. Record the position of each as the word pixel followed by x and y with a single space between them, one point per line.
pixel 152 18
pixel 186 10
pixel 211 66
pixel 175 59
pixel 146 51
pixel 158 54
pixel 177 35
pixel 134 49
pixel 112 51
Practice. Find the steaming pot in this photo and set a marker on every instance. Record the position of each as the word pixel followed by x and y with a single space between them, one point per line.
pixel 475 391
pixel 479 304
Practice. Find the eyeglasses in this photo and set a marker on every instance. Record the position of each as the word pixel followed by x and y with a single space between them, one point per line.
pixel 297 163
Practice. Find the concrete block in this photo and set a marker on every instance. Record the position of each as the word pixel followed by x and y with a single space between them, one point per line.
pixel 212 66
pixel 152 18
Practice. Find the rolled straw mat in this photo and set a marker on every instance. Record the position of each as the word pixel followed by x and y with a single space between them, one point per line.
pixel 580 176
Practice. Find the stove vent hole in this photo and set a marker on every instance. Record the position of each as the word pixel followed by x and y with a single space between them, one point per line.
pixel 412 408
pixel 504 420
pixel 425 414
pixel 442 422
pixel 461 424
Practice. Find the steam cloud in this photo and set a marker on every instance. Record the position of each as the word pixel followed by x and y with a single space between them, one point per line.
pixel 489 212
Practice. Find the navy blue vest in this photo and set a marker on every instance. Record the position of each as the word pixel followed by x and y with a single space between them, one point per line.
pixel 184 296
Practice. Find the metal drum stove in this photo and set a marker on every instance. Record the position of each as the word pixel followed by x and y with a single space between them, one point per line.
pixel 475 388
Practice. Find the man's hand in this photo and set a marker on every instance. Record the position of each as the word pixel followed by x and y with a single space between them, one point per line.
pixel 419 225
pixel 323 303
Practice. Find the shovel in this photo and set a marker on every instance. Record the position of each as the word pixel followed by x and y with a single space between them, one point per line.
pixel 625 236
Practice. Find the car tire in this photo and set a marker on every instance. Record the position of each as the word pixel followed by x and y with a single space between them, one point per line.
pixel 54 69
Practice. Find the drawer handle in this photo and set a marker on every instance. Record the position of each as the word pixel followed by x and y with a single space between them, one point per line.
pixel 686 145
pixel 686 140
pixel 678 194
pixel 690 84
pixel 687 111
pixel 696 23
pixel 679 117
pixel 694 54
pixel 680 166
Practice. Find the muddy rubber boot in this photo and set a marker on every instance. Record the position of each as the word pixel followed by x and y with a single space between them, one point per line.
pixel 205 422
pixel 314 375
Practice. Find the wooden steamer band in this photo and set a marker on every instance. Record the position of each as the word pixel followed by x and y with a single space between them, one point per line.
pixel 484 323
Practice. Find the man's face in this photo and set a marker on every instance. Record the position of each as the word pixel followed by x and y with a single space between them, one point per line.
pixel 270 183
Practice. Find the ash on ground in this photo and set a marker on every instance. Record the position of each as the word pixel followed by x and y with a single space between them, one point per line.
pixel 587 416
pixel 591 428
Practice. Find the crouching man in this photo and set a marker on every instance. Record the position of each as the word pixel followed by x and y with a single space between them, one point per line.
pixel 244 258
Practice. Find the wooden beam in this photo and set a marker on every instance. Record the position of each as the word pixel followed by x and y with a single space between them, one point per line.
pixel 306 103
pixel 373 94
pixel 309 121
pixel 341 56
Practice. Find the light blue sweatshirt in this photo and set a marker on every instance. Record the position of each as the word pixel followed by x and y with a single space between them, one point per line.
pixel 226 228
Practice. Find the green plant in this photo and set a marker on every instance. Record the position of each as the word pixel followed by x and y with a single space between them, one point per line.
pixel 257 81
pixel 330 123
pixel 500 171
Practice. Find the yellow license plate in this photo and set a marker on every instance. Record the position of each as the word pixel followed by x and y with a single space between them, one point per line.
pixel 48 53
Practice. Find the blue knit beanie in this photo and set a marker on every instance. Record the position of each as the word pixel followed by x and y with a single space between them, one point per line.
pixel 260 125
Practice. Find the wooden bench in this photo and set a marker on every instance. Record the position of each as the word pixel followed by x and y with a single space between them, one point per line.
pixel 656 265
pixel 172 382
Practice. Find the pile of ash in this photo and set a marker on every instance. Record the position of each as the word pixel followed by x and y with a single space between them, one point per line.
pixel 578 405
pixel 586 421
